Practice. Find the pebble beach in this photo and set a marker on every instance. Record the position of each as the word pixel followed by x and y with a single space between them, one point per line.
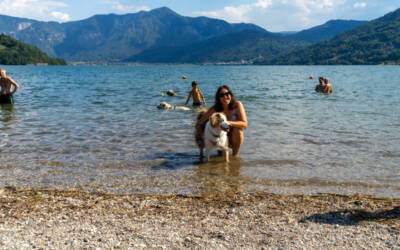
pixel 46 219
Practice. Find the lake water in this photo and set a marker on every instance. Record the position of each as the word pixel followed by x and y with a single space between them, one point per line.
pixel 97 128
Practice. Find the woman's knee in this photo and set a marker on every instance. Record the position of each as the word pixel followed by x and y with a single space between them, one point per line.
pixel 236 138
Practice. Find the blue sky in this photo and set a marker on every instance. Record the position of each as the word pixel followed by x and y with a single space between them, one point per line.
pixel 273 15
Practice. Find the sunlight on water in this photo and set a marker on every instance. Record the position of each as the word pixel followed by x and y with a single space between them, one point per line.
pixel 97 128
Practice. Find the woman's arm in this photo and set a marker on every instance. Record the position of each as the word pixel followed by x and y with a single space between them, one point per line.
pixel 241 116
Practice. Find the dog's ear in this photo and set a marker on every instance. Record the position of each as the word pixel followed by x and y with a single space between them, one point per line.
pixel 214 121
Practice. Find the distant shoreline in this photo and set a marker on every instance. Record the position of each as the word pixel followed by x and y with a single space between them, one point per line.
pixel 210 64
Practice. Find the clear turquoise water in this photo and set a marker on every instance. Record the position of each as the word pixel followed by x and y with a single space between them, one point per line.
pixel 97 128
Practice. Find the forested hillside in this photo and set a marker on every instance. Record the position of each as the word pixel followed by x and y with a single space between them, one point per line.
pixel 375 42
pixel 13 52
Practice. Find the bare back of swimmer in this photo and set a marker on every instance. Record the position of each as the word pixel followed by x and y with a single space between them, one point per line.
pixel 7 88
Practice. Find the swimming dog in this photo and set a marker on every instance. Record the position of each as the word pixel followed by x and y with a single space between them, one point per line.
pixel 165 105
pixel 215 135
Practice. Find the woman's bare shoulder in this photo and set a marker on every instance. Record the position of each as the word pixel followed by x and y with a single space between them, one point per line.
pixel 239 104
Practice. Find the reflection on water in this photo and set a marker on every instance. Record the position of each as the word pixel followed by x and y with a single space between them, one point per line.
pixel 75 127
pixel 6 115
pixel 218 176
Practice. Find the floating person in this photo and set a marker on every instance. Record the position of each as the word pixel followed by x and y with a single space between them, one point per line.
pixel 172 93
pixel 226 103
pixel 197 95
pixel 7 90
pixel 184 77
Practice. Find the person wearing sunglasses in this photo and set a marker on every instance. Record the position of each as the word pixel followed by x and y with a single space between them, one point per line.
pixel 226 103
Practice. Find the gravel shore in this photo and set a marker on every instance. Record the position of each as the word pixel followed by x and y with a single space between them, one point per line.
pixel 43 219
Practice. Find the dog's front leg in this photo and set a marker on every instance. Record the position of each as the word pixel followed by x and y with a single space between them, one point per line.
pixel 226 155
pixel 226 149
pixel 201 154
pixel 208 151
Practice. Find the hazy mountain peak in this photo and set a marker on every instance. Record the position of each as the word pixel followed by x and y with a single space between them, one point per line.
pixel 163 9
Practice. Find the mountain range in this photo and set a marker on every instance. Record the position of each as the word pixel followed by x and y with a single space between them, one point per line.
pixel 325 31
pixel 116 37
pixel 244 46
pixel 163 36
pixel 374 42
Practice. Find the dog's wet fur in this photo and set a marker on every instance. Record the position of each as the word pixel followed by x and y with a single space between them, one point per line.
pixel 214 133
pixel 165 105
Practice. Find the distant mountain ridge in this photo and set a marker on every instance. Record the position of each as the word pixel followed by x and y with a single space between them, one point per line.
pixel 163 36
pixel 116 37
pixel 325 31
pixel 374 42
pixel 11 25
pixel 243 46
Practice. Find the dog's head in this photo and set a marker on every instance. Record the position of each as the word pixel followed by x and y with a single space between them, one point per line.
pixel 164 105
pixel 219 120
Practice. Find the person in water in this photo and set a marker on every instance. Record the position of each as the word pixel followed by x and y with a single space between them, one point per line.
pixel 226 103
pixel 321 86
pixel 6 88
pixel 328 86
pixel 196 94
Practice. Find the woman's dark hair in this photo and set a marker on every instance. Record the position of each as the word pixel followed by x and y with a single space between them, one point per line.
pixel 218 104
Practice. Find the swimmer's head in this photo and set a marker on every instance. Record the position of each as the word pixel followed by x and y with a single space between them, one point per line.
pixel 320 79
pixel 3 73
pixel 326 80
pixel 194 84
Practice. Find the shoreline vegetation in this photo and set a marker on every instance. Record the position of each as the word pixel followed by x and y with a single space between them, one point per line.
pixel 35 218
pixel 14 52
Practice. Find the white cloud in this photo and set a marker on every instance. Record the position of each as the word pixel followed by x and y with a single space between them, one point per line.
pixel 239 13
pixel 36 9
pixel 122 8
pixel 279 15
pixel 60 16
pixel 360 5
pixel 262 3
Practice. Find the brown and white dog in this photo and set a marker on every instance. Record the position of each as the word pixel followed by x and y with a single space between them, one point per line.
pixel 165 105
pixel 215 135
